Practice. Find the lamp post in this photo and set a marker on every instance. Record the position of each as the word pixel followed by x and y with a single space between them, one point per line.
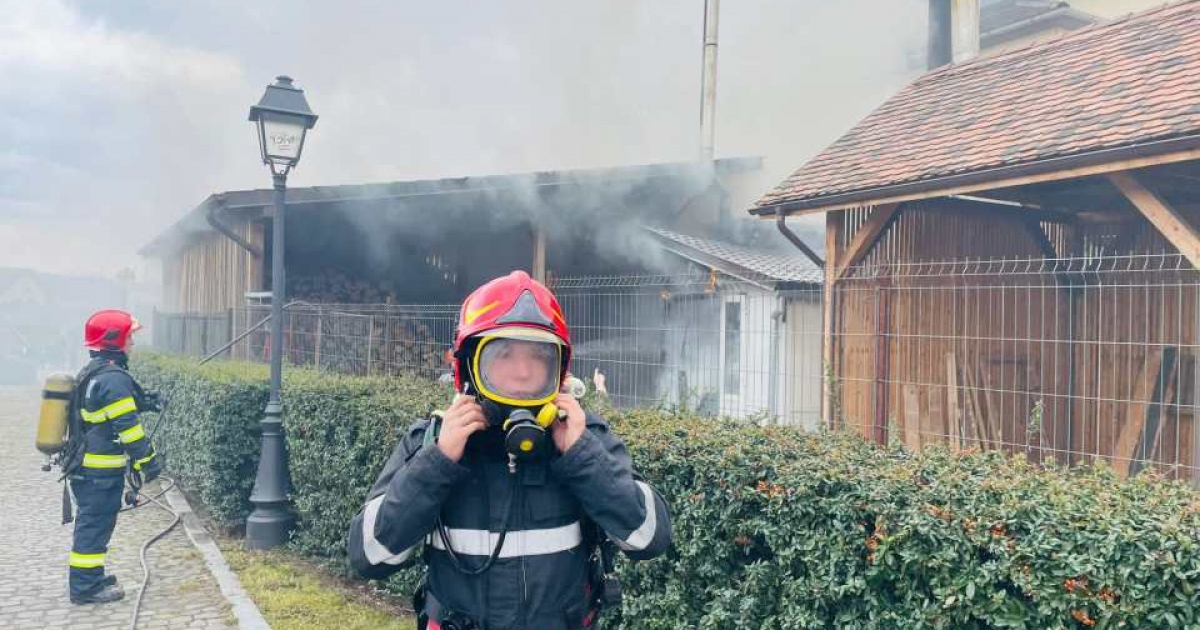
pixel 283 118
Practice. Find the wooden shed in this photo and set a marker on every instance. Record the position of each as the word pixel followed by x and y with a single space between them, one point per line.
pixel 1012 251
pixel 430 241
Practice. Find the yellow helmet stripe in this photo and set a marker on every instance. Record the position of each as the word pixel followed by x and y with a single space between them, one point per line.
pixel 473 315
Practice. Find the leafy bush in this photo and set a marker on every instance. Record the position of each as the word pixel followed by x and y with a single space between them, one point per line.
pixel 774 528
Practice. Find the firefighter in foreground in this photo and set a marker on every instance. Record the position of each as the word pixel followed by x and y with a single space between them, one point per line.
pixel 514 495
pixel 111 441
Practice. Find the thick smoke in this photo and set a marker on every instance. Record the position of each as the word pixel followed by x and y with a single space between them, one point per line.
pixel 118 118
pixel 129 114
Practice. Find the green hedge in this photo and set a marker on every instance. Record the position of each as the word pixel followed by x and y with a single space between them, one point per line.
pixel 774 528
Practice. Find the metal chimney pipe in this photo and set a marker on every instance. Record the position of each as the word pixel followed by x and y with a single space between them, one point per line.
pixel 938 52
pixel 708 81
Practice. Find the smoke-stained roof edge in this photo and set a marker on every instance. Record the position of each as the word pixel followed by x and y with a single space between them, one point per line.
pixel 772 272
pixel 195 223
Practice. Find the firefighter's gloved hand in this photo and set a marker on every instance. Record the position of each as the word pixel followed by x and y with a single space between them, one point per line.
pixel 151 470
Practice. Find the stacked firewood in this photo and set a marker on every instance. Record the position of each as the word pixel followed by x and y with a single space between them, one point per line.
pixel 335 287
pixel 407 345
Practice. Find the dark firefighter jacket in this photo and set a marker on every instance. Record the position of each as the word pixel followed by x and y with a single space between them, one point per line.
pixel 113 432
pixel 539 581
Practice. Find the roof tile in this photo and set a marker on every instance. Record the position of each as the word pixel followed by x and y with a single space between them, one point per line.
pixel 1132 80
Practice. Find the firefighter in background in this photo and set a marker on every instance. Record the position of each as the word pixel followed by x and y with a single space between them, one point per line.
pixel 512 491
pixel 114 442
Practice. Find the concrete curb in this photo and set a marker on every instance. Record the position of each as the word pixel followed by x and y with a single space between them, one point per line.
pixel 248 615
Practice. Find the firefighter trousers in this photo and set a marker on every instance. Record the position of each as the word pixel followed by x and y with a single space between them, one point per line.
pixel 99 501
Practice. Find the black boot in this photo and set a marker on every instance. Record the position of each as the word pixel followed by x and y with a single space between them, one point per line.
pixel 102 595
pixel 109 580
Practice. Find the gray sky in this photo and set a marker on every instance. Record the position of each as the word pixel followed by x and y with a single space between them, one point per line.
pixel 116 117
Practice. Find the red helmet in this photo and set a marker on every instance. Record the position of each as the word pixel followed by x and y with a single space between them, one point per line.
pixel 109 330
pixel 511 306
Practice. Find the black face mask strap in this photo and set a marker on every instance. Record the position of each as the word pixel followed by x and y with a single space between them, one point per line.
pixel 515 496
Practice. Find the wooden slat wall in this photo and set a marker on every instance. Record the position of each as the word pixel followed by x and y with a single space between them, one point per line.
pixel 213 273
pixel 1120 324
pixel 1010 336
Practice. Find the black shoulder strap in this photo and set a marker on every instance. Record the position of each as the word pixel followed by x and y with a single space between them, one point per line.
pixel 72 453
pixel 88 374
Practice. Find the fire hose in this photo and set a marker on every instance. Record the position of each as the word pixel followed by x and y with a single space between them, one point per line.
pixel 132 502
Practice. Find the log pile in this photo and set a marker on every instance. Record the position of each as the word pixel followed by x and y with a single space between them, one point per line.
pixel 335 287
pixel 408 345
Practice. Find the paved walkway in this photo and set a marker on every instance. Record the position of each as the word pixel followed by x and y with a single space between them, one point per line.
pixel 34 546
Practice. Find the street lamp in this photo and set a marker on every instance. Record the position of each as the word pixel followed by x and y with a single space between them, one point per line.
pixel 283 118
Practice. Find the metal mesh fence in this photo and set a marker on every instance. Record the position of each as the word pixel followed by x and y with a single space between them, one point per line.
pixel 1068 360
pixel 717 348
pixel 709 345
pixel 192 334
pixel 355 338
pixel 1065 360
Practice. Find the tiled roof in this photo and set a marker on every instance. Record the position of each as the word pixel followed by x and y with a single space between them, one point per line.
pixel 1106 86
pixel 739 261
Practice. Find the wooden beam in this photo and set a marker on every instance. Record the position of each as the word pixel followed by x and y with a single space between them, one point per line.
pixel 954 413
pixel 995 424
pixel 1130 434
pixel 1173 226
pixel 1039 237
pixel 1002 182
pixel 912 417
pixel 834 223
pixel 933 426
pixel 883 361
pixel 1157 413
pixel 866 237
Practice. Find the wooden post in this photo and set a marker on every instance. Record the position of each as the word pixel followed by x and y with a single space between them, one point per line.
pixel 203 335
pixel 539 253
pixel 1173 226
pixel 229 332
pixel 317 350
pixel 882 363
pixel 387 340
pixel 370 342
pixel 834 223
pixel 953 410
pixel 912 417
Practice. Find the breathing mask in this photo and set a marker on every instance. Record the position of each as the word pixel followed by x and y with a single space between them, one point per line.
pixel 516 374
